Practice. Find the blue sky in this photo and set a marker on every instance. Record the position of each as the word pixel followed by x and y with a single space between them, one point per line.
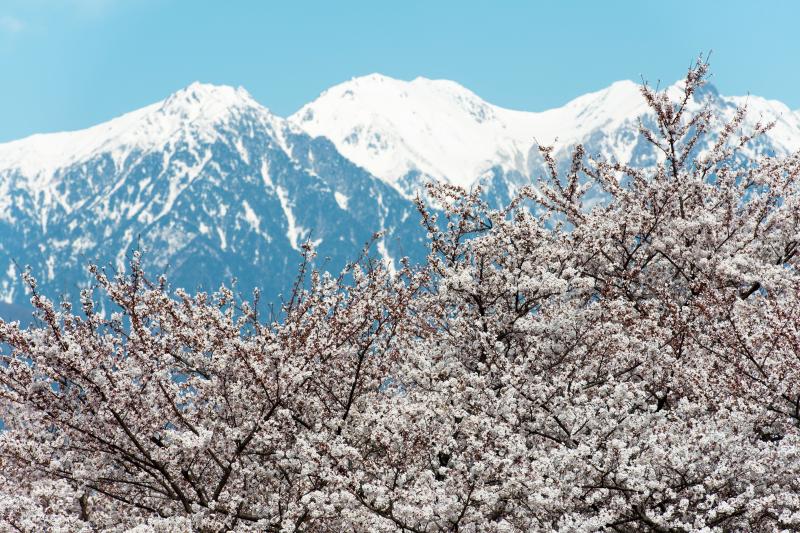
pixel 68 64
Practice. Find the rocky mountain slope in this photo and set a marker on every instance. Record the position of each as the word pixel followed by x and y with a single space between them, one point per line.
pixel 213 186
pixel 208 183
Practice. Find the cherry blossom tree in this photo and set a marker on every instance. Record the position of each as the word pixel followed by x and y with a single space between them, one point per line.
pixel 191 407
pixel 625 367
pixel 561 364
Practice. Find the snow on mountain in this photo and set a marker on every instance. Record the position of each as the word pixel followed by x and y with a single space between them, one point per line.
pixel 406 131
pixel 440 129
pixel 214 186
pixel 208 182
pixel 192 111
pixel 785 134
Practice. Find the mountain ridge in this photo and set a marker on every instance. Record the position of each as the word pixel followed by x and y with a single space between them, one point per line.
pixel 361 117
pixel 620 101
pixel 208 182
pixel 214 186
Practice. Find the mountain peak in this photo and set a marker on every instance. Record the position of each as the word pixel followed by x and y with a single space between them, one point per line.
pixel 390 126
pixel 208 102
pixel 381 82
pixel 199 107
pixel 622 92
pixel 203 94
pixel 375 77
pixel 378 85
pixel 626 88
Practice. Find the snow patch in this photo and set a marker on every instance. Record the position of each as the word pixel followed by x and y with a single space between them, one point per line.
pixel 223 242
pixel 6 201
pixel 180 182
pixel 250 216
pixel 242 151
pixel 387 259
pixel 341 199
pixel 265 175
pixel 294 232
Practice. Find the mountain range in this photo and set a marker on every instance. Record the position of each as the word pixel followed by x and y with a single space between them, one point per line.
pixel 213 186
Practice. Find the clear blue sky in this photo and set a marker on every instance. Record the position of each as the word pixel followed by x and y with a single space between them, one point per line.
pixel 67 64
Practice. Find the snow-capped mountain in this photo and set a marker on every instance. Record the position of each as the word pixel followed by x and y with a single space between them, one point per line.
pixel 208 183
pixel 442 130
pixel 407 132
pixel 213 186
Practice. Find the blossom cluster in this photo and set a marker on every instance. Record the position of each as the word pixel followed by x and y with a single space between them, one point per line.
pixel 556 365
